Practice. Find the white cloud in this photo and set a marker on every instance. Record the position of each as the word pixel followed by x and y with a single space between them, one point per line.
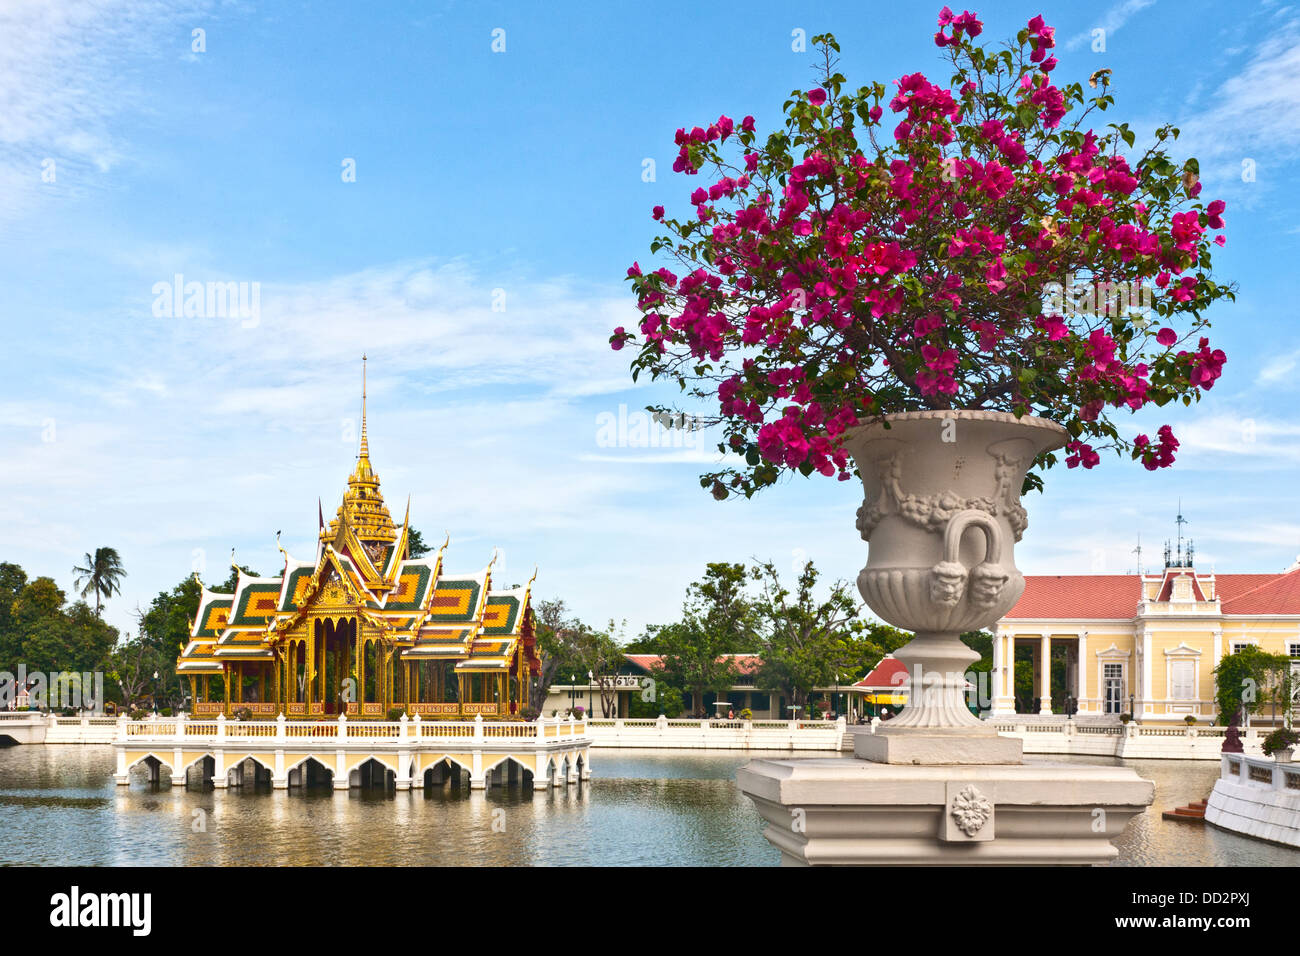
pixel 1111 21
pixel 1279 368
pixel 63 69
pixel 1256 112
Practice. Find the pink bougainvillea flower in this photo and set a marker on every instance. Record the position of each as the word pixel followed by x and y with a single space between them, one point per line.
pixel 836 272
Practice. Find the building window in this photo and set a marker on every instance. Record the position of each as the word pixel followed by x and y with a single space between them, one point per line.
pixel 1182 680
pixel 1237 648
pixel 1295 650
pixel 1112 684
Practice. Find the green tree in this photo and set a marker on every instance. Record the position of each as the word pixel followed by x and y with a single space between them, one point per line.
pixel 718 620
pixel 12 581
pixel 415 546
pixel 101 575
pixel 74 641
pixel 1254 680
pixel 164 629
pixel 598 653
pixel 38 600
pixel 554 627
pixel 131 666
pixel 1248 679
pixel 806 643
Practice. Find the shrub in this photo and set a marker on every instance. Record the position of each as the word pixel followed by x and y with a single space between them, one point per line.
pixel 1189 720
pixel 746 714
pixel 166 711
pixel 1280 739
pixel 395 713
pixel 1125 718
pixel 243 713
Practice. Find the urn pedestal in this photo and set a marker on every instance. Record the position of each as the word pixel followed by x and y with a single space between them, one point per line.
pixel 942 515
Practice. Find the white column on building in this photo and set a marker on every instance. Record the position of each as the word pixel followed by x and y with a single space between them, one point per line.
pixel 1218 656
pixel 1081 673
pixel 1011 670
pixel 1004 674
pixel 998 683
pixel 1045 675
pixel 1146 701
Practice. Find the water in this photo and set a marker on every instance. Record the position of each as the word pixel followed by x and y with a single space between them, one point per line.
pixel 58 805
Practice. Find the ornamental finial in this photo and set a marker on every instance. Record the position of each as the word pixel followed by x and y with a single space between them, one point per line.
pixel 365 448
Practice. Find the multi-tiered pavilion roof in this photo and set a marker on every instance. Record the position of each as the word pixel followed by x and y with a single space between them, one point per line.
pixel 406 631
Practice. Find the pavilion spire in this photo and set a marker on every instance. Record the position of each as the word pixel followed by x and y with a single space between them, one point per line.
pixel 365 446
pixel 363 503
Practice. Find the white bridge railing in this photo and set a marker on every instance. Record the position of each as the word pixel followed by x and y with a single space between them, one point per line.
pixel 168 729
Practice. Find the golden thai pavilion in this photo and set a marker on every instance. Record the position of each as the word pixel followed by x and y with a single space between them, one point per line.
pixel 363 629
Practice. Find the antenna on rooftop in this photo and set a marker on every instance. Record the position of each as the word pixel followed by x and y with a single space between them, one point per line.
pixel 1138 552
pixel 1180 557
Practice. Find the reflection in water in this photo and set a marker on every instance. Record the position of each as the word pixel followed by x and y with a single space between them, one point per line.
pixel 642 808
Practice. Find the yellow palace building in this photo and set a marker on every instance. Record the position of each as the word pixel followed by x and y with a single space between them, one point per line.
pixel 363 628
pixel 1145 644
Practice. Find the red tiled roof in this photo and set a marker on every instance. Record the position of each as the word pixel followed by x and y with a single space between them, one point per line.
pixel 745 663
pixel 889 673
pixel 1096 596
pixel 1116 596
pixel 1280 595
pixel 1230 586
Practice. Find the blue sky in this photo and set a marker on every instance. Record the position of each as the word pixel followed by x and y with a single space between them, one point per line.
pixel 515 179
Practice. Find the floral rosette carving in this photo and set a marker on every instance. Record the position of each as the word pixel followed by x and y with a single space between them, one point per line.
pixel 971 810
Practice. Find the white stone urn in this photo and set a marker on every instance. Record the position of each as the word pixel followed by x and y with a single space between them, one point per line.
pixel 942 516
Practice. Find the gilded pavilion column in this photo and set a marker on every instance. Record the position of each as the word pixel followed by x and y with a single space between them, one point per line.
pixel 276 677
pixel 388 677
pixel 345 671
pixel 309 676
pixel 336 690
pixel 194 692
pixel 415 676
pixel 361 671
pixel 225 674
pixel 324 671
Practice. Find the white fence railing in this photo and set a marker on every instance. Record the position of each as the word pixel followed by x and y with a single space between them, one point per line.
pixel 718 734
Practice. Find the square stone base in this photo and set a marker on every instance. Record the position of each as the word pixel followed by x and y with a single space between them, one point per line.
pixel 851 812
pixel 937 747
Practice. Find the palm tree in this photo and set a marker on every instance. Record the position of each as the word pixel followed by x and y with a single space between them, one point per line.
pixel 101 575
